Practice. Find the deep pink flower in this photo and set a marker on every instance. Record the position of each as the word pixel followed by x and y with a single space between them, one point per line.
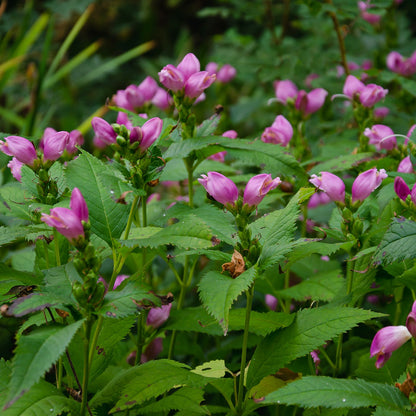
pixel 119 280
pixel 280 132
pixel 257 188
pixel 386 341
pixel 331 184
pixel 103 131
pixel 271 302
pixel 197 83
pixel 172 78
pixel 366 183
pixel 147 88
pixel 226 73
pixel 53 145
pixel 232 134
pixel 221 188
pixel 352 86
pixel 162 99
pixel 158 316
pixel 19 147
pixel 372 94
pixel 319 198
pixel 16 168
pixel 189 65
pixel 381 112
pixel 68 221
pixel 411 320
pixel 381 136
pixel 311 102
pixel 403 66
pixel 401 188
pixel 405 166
pixel 151 131
pixel 285 90
pixel 75 139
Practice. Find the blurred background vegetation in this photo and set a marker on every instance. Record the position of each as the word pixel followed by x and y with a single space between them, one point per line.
pixel 61 60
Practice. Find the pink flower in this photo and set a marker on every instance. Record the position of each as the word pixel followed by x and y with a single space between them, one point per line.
pixel 119 280
pixel 366 183
pixel 162 99
pixel 373 19
pixel 318 198
pixel 280 132
pixel 220 156
pixel 103 131
pixel 172 78
pixel 372 94
pixel 19 147
pixel 151 131
pixel 75 139
pixel 352 86
pixel 382 137
pixel 211 68
pixel 285 90
pixel 197 83
pixel 271 302
pixel 381 112
pixel 158 316
pixel 405 166
pixel 16 168
pixel 411 320
pixel 226 73
pixel 331 184
pixel 386 341
pixel 54 145
pixel 403 66
pixel 221 188
pixel 147 88
pixel 311 102
pixel 410 133
pixel 68 221
pixel 154 348
pixel 232 134
pixel 257 188
pixel 403 191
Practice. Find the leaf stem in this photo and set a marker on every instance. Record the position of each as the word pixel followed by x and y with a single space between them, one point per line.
pixel 87 336
pixel 249 296
pixel 140 336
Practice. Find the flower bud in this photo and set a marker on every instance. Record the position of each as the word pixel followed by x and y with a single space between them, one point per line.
pixel 226 73
pixel 158 316
pixel 66 223
pixel 405 166
pixel 53 145
pixel 75 139
pixel 284 90
pixel 172 78
pixel 352 86
pixel 271 302
pixel 103 131
pixel 411 320
pixel 162 99
pixel 331 185
pixel 311 102
pixel 372 94
pixel 119 280
pixel 197 83
pixel 280 132
pixel 147 88
pixel 258 186
pixel 367 182
pixel 189 65
pixel 401 188
pixel 221 188
pixel 151 131
pixel 19 147
pixel 78 205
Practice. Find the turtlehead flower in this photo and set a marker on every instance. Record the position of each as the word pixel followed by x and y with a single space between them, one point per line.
pixel 257 188
pixel 280 132
pixel 400 65
pixel 372 18
pixel 311 102
pixel 381 136
pixel 366 183
pixel 405 166
pixel 386 341
pixel 331 184
pixel 285 90
pixel 403 191
pixel 104 133
pixel 119 280
pixel 158 316
pixel 16 168
pixel 162 99
pixel 221 188
pixel 187 77
pixel 271 302
pixel 54 145
pixel 226 73
pixel 367 95
pixel 150 132
pixel 69 221
pixel 317 199
pixel 19 147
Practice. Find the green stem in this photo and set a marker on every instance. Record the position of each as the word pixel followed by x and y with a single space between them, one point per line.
pixel 338 358
pixel 85 377
pixel 140 336
pixel 249 295
pixel 190 168
pixel 350 275
pixel 131 216
pixel 45 249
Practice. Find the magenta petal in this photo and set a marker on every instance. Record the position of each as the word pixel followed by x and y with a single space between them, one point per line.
pixel 55 144
pixel 386 341
pixel 65 221
pixel 352 86
pixel 257 187
pixel 19 147
pixel 401 188
pixel 172 78
pixel 284 90
pixel 158 316
pixel 197 83
pixel 103 131
pixel 189 65
pixel 405 166
pixel 331 184
pixel 16 168
pixel 151 131
pixel 78 205
pixel 366 183
pixel 221 188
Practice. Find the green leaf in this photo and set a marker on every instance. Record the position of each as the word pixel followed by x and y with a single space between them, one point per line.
pixel 12 234
pixel 43 399
pixel 197 319
pixel 186 399
pixel 187 233
pixel 335 393
pixel 311 329
pixel 214 369
pixel 398 243
pixel 124 302
pixel 322 286
pixel 108 219
pixel 219 291
pixel 138 384
pixel 340 164
pixel 35 354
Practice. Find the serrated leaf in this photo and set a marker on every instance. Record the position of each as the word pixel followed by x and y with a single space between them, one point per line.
pixel 189 232
pixel 35 354
pixel 11 234
pixel 197 319
pixel 219 291
pixel 108 218
pixel 398 243
pixel 138 384
pixel 340 163
pixel 124 302
pixel 330 392
pixel 311 329
pixel 43 399
pixel 322 286
pixel 36 302
pixel 186 399
pixel 10 277
pixel 214 369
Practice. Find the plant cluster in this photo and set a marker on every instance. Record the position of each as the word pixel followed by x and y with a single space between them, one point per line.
pixel 173 264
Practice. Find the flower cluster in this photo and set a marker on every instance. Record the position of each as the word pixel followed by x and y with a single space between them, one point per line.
pixel 187 78
pixel 367 95
pixel 307 103
pixel 381 136
pixel 225 74
pixel 390 338
pixel 401 65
